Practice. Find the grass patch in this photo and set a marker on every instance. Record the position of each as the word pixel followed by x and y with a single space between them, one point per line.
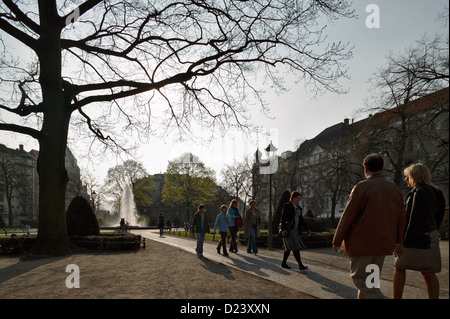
pixel 317 239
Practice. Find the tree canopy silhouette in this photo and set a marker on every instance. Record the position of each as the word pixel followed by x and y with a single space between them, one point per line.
pixel 103 62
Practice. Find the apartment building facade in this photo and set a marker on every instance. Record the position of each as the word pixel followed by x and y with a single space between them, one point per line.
pixel 325 168
pixel 19 184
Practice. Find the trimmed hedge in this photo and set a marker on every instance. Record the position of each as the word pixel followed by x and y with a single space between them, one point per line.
pixel 324 239
pixel 111 242
pixel 16 244
pixel 80 217
pixel 315 224
pixel 108 241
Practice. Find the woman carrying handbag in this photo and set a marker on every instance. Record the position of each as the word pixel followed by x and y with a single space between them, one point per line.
pixel 425 206
pixel 291 229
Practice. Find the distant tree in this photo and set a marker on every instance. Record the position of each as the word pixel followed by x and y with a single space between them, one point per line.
pixel 142 190
pixel 237 179
pixel 120 175
pixel 188 182
pixel 93 185
pixel 14 182
pixel 288 176
pixel 417 72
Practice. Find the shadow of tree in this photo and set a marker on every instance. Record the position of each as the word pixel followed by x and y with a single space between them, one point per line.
pixel 24 266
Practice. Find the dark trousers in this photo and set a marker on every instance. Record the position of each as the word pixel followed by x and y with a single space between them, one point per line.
pixel 233 232
pixel 223 241
pixel 296 255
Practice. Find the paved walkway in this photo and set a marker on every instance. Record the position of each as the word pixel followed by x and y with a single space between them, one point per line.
pixel 327 276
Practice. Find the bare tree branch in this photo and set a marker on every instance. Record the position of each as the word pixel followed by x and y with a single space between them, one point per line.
pixel 16 33
pixel 82 9
pixel 20 129
pixel 22 17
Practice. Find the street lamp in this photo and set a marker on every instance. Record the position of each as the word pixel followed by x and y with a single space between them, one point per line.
pixel 273 163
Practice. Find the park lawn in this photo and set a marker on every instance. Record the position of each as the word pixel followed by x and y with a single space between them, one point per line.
pixel 184 233
pixel 208 236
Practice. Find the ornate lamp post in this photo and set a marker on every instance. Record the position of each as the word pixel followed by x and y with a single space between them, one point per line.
pixel 273 165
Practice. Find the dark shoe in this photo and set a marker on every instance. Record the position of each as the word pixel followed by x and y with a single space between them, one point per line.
pixel 249 251
pixel 302 267
pixel 225 255
pixel 218 250
pixel 255 252
pixel 286 266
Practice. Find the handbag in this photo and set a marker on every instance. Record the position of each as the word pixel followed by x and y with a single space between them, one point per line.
pixel 288 230
pixel 279 231
pixel 238 221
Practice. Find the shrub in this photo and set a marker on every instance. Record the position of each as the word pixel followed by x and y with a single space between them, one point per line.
pixel 330 223
pixel 81 220
pixel 108 241
pixel 309 213
pixel 16 244
pixel 318 240
pixel 314 224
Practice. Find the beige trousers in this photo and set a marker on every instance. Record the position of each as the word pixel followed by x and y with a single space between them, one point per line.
pixel 359 276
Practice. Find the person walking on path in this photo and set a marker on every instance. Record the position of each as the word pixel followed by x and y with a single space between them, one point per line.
pixel 200 226
pixel 425 206
pixel 232 212
pixel 252 227
pixel 291 229
pixel 222 225
pixel 371 225
pixel 161 224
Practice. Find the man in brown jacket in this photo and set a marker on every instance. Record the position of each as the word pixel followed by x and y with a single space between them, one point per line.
pixel 371 225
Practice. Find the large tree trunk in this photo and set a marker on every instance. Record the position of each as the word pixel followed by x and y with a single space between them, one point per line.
pixel 52 236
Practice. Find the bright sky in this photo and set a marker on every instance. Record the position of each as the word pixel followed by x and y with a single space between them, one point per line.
pixel 296 115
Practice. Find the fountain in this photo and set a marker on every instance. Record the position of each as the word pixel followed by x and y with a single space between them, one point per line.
pixel 128 207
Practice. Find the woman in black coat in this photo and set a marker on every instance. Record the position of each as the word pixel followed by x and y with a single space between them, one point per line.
pixel 425 206
pixel 291 228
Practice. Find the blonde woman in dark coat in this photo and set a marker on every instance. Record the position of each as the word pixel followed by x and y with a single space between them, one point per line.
pixel 425 207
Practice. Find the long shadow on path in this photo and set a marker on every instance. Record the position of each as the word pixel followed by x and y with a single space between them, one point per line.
pixel 258 265
pixel 331 286
pixel 217 268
